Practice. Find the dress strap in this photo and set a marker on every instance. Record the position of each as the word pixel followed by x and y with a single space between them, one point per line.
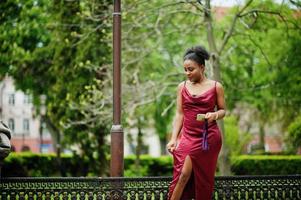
pixel 215 87
pixel 184 86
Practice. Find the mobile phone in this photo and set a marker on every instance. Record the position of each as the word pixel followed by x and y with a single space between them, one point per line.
pixel 200 117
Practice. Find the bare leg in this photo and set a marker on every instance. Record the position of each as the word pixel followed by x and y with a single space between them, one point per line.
pixel 183 179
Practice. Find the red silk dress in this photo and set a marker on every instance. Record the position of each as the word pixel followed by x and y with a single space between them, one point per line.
pixel 201 183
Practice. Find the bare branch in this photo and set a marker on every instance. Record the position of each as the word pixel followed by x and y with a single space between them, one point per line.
pixel 259 47
pixel 260 11
pixel 261 50
pixel 86 36
pixel 152 9
pixel 296 3
pixel 172 103
pixel 232 26
pixel 256 11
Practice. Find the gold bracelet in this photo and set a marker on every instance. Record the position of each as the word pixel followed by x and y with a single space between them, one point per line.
pixel 216 117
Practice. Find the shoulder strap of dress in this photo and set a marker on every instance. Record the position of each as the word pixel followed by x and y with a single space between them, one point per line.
pixel 215 87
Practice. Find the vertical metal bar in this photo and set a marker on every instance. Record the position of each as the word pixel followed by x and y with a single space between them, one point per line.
pixel 117 148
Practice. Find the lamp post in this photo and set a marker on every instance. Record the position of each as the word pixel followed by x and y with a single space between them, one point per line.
pixel 117 146
pixel 42 115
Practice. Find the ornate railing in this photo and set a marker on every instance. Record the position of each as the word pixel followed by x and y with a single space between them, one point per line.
pixel 232 187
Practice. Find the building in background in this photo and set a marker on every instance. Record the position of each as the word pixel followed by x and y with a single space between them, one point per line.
pixel 18 112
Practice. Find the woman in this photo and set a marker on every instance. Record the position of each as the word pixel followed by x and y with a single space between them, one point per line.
pixel 196 140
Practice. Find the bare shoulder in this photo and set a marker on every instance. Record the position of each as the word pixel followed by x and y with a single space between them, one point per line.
pixel 212 82
pixel 181 85
pixel 219 87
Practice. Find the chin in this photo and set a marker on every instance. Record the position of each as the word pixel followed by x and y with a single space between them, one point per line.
pixel 192 80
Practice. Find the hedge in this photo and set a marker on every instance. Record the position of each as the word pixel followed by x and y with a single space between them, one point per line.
pixel 34 165
pixel 266 165
pixel 149 166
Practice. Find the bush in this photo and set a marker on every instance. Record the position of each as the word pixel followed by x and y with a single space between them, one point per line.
pixel 293 138
pixel 149 166
pixel 235 140
pixel 266 165
pixel 35 165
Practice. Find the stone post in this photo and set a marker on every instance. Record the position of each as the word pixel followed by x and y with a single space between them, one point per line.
pixel 5 146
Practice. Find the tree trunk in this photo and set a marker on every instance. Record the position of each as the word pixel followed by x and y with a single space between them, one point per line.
pixel 224 163
pixel 261 144
pixel 163 143
pixel 139 146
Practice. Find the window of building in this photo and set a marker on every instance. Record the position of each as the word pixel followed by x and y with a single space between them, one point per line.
pixel 11 99
pixel 11 124
pixel 27 99
pixel 25 148
pixel 26 125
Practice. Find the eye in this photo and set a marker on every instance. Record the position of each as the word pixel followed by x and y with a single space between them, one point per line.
pixel 190 69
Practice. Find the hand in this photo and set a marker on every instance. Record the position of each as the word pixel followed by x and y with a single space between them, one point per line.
pixel 171 145
pixel 211 116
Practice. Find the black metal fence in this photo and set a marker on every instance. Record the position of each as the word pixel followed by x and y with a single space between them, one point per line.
pixel 232 187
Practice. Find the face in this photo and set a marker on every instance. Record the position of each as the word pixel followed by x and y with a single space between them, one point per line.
pixel 193 70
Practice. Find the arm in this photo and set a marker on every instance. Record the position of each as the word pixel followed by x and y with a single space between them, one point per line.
pixel 220 103
pixel 178 121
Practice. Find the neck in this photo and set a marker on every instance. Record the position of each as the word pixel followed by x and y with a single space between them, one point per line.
pixel 200 81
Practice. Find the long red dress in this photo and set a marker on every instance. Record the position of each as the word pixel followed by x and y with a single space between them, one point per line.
pixel 201 183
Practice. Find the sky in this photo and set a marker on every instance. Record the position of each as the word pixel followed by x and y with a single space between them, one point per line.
pixel 226 2
pixel 231 2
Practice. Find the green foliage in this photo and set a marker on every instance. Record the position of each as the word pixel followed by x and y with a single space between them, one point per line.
pixel 149 166
pixel 163 115
pixel 249 70
pixel 261 71
pixel 235 140
pixel 60 49
pixel 266 165
pixel 24 35
pixel 293 138
pixel 288 79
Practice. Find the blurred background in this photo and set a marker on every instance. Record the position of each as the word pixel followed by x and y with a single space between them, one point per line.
pixel 56 82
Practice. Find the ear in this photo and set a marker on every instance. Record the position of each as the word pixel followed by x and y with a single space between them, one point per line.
pixel 202 67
